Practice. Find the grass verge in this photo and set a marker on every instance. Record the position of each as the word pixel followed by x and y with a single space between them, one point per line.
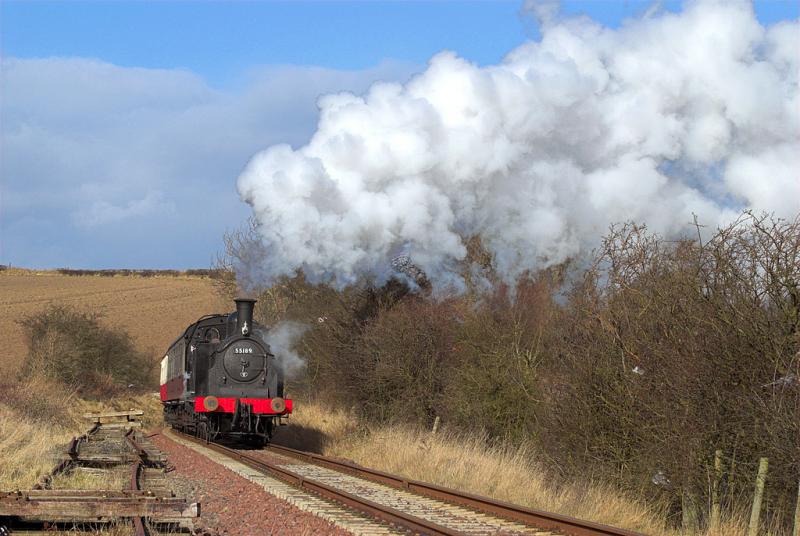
pixel 454 460
pixel 33 436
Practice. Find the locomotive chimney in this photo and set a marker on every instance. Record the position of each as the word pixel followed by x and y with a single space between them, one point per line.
pixel 244 315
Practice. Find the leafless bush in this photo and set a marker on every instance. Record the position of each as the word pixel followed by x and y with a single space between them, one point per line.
pixel 633 371
pixel 72 347
pixel 501 343
pixel 201 272
pixel 41 400
pixel 238 266
pixel 675 349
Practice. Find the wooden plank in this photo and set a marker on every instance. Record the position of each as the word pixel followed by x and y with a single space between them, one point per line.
pixel 58 494
pixel 110 414
pixel 126 457
pixel 106 458
pixel 86 508
pixel 96 472
pixel 126 417
pixel 35 528
pixel 113 426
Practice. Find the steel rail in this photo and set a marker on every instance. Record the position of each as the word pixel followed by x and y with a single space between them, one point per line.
pixel 139 525
pixel 534 518
pixel 66 463
pixel 373 509
pixel 529 516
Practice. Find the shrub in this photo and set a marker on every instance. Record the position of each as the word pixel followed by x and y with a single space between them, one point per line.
pixel 493 385
pixel 73 347
pixel 42 400
pixel 202 272
pixel 633 369
pixel 672 350
pixel 395 369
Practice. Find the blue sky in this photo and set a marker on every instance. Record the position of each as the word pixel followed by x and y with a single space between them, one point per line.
pixel 222 40
pixel 126 124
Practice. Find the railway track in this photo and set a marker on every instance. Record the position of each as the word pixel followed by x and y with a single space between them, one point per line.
pixel 404 504
pixel 106 450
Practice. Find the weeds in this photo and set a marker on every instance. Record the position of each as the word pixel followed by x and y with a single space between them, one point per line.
pixel 30 447
pixel 462 461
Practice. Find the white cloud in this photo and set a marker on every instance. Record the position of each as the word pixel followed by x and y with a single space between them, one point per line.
pixel 668 116
pixel 87 144
pixel 104 213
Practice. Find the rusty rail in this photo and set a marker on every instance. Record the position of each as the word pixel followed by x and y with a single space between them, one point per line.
pixel 378 511
pixel 66 463
pixel 529 516
pixel 139 523
pixel 84 506
pixel 534 518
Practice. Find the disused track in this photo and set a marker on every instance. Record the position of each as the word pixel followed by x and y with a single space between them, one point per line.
pixel 140 527
pixel 411 505
pixel 102 448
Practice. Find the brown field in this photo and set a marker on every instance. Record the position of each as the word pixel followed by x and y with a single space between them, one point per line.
pixel 154 310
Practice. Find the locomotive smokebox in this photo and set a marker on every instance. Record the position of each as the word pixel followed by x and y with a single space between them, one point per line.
pixel 244 315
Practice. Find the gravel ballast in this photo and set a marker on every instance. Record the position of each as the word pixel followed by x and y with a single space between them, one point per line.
pixel 233 506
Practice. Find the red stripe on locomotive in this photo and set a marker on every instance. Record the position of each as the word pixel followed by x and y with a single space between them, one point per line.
pixel 261 406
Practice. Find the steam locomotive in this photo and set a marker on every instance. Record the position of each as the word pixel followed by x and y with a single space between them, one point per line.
pixel 219 379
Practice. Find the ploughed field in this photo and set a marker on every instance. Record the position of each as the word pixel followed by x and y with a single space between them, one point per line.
pixel 154 310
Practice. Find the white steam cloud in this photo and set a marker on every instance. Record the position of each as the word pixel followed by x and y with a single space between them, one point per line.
pixel 668 116
pixel 282 338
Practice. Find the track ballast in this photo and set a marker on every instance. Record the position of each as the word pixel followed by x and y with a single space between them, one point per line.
pixel 406 504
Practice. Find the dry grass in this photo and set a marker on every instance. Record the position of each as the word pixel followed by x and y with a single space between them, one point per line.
pixel 453 460
pixel 33 440
pixel 30 445
pixel 154 310
pixel 79 478
pixel 38 418
pixel 28 449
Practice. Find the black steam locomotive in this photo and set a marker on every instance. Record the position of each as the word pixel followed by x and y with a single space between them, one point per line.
pixel 219 379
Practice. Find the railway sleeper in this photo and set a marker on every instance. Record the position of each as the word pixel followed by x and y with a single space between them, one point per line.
pixel 147 502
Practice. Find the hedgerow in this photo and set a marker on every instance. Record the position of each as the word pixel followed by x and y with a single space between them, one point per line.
pixel 634 368
pixel 73 347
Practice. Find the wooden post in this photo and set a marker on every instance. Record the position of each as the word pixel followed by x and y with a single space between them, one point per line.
pixel 755 513
pixel 715 510
pixel 732 469
pixel 688 513
pixel 435 425
pixel 796 531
